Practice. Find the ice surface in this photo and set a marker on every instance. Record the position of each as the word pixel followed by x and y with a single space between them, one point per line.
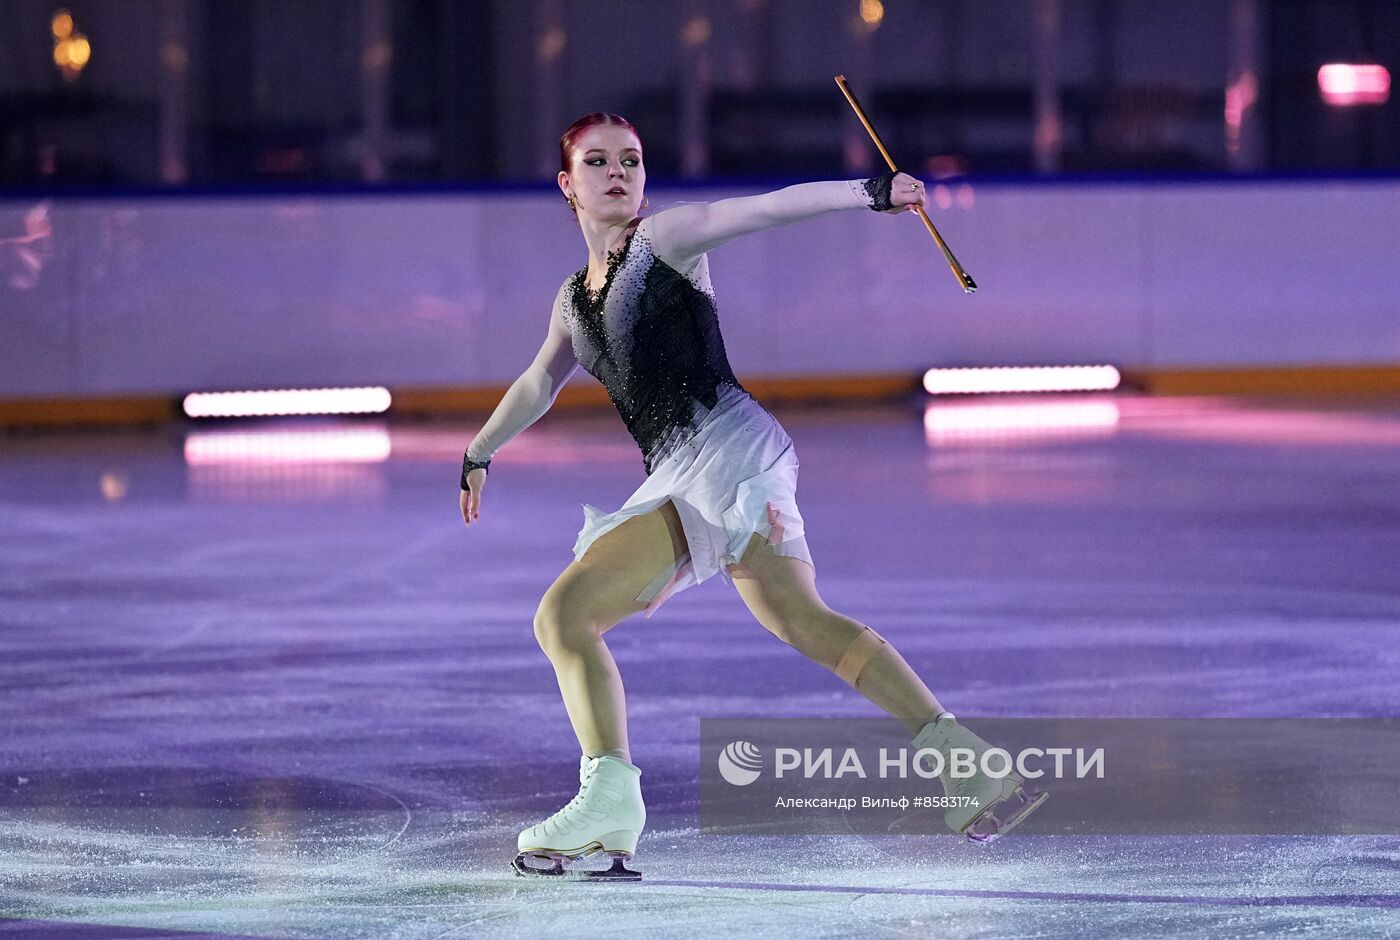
pixel 297 698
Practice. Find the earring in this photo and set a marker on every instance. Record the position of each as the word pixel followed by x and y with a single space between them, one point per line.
pixel 646 201
pixel 570 201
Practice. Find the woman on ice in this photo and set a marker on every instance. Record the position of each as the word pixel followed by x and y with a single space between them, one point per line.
pixel 720 490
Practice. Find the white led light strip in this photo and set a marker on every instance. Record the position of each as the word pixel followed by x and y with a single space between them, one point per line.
pixel 940 419
pixel 1020 379
pixel 305 401
pixel 327 446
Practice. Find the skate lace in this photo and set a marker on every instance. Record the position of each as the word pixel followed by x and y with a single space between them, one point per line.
pixel 962 786
pixel 586 778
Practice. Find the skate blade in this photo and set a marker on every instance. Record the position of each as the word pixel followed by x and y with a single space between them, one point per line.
pixel 525 865
pixel 1001 825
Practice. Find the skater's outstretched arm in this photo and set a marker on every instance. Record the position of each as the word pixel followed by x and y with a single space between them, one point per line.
pixel 683 233
pixel 524 403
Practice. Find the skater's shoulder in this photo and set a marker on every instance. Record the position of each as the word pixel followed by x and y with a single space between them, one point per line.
pixel 561 296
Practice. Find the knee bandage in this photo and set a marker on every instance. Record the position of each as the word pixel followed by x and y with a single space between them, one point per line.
pixel 858 655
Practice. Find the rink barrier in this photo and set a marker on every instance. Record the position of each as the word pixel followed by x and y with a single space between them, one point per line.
pixel 427 401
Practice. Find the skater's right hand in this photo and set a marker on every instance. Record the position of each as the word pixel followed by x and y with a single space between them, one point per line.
pixel 471 498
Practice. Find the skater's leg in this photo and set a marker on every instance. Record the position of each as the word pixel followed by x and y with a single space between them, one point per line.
pixel 592 595
pixel 781 592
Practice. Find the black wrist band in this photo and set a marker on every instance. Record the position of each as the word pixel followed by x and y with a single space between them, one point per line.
pixel 878 189
pixel 468 465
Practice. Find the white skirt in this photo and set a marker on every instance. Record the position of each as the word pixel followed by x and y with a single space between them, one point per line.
pixel 736 477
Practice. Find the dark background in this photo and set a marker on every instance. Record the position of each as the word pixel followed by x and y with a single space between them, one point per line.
pixel 213 93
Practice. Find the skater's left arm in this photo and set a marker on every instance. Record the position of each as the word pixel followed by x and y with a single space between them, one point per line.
pixel 683 233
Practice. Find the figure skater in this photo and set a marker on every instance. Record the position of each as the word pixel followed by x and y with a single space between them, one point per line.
pixel 720 489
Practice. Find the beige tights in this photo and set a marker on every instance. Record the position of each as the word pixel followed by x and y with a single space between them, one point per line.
pixel 597 592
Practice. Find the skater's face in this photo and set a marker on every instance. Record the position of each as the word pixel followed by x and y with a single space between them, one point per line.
pixel 606 158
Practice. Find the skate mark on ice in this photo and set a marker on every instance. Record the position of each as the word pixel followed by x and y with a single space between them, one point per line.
pixel 1387 901
pixel 550 899
pixel 1357 868
pixel 196 810
pixel 330 872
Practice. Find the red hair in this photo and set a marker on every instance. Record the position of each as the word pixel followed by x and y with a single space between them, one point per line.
pixel 569 142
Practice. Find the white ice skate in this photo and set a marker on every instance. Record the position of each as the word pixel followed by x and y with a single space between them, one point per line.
pixel 975 819
pixel 607 816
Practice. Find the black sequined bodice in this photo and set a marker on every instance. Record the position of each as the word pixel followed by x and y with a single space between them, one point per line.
pixel 651 336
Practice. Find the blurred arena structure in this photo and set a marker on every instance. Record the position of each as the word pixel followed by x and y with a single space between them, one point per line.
pixel 200 197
